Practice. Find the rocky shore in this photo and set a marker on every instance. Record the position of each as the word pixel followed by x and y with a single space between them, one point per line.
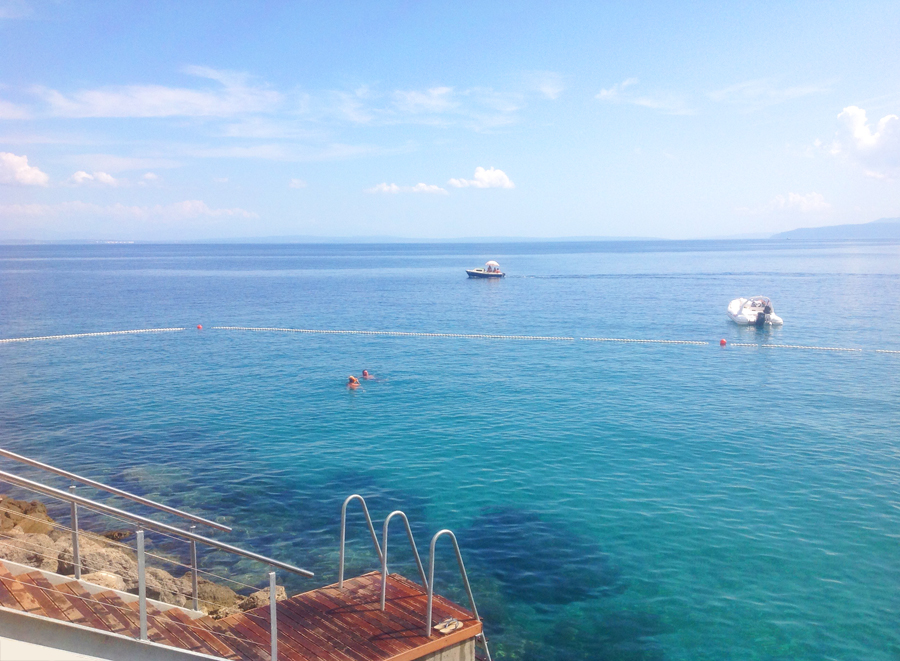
pixel 29 536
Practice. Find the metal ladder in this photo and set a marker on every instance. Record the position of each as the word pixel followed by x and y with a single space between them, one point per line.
pixel 427 582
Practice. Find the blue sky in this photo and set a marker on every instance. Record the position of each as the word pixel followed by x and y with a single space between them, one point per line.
pixel 168 121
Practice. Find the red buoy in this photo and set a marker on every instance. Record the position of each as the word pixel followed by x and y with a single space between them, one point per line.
pixel 199 327
pixel 722 342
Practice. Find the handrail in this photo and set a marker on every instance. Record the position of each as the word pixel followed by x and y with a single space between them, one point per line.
pixel 462 571
pixel 113 490
pixel 148 523
pixel 362 500
pixel 384 555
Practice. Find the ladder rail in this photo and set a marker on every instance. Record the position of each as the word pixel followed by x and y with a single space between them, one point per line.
pixel 384 554
pixel 365 509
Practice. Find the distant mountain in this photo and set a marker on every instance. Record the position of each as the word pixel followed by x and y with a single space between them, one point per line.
pixel 885 228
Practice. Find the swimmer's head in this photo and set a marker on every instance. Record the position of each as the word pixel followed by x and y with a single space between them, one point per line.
pixel 352 379
pixel 365 372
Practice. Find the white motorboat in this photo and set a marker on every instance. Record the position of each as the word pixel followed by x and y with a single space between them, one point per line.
pixel 490 270
pixel 755 311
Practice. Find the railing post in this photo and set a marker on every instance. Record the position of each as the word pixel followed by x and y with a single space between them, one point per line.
pixel 76 555
pixel 273 616
pixel 142 584
pixel 194 590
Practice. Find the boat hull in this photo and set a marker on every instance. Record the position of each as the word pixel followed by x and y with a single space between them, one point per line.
pixel 483 274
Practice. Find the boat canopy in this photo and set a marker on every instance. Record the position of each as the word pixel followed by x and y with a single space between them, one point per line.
pixel 492 263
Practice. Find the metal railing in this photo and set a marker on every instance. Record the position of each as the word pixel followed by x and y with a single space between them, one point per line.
pixel 112 490
pixel 362 501
pixel 428 582
pixel 144 522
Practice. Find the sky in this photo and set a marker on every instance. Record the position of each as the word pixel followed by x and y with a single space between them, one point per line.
pixel 171 121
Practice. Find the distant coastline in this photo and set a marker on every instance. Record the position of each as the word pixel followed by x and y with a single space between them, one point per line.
pixel 883 228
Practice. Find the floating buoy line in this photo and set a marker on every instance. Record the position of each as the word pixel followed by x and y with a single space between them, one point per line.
pixel 484 336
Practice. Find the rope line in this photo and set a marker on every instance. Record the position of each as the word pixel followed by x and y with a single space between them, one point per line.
pixel 486 336
pixel 800 346
pixel 398 333
pixel 619 339
pixel 64 337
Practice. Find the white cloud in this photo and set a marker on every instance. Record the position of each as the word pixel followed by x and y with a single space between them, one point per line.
pixel 236 97
pixel 548 84
pixel 623 92
pixel 148 179
pixel 763 92
pixel 393 189
pixel 804 203
pixel 81 178
pixel 297 183
pixel 12 111
pixel 485 179
pixel 15 171
pixel 113 163
pixel 614 93
pixel 188 209
pixel 434 100
pixel 790 203
pixel 876 148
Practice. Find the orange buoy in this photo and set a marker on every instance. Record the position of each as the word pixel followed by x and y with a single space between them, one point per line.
pixel 722 342
pixel 199 327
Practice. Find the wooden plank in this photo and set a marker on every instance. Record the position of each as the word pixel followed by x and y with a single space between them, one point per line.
pixel 99 611
pixel 22 593
pixel 7 599
pixel 246 634
pixel 48 606
pixel 379 629
pixel 310 638
pixel 68 609
pixel 201 629
pixel 88 617
pixel 335 630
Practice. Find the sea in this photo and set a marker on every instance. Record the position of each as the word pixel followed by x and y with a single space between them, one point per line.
pixel 611 499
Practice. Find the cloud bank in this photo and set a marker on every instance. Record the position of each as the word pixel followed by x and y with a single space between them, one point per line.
pixel 15 171
pixel 484 179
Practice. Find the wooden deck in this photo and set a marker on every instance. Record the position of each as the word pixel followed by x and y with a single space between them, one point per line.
pixel 327 624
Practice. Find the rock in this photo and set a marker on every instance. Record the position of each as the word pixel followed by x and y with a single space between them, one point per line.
pixel 117 535
pixel 213 597
pixel 261 598
pixel 32 549
pixel 63 546
pixel 31 517
pixel 225 611
pixel 105 579
pixel 162 586
pixel 109 560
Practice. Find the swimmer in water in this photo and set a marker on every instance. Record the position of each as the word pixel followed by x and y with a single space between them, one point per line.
pixel 352 382
pixel 367 376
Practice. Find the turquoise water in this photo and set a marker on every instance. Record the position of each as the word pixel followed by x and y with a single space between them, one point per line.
pixel 613 501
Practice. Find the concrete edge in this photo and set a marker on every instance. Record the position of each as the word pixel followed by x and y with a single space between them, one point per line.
pixel 79 639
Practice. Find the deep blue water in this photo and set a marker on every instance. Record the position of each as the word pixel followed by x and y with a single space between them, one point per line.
pixel 613 501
